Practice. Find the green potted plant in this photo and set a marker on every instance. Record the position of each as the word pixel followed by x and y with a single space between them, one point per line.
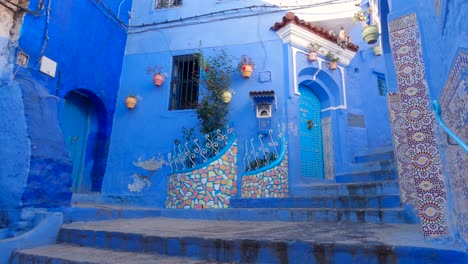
pixel 132 100
pixel 334 59
pixel 370 33
pixel 158 76
pixel 212 110
pixel 246 66
pixel 313 48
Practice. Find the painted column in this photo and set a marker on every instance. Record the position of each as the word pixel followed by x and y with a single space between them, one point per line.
pixel 423 152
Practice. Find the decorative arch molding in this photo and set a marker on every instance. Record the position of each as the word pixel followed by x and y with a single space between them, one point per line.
pixel 320 76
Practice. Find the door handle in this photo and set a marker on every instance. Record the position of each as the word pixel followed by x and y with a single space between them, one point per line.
pixel 310 124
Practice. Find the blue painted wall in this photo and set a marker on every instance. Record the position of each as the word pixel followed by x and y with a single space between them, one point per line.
pixel 88 46
pixel 150 129
pixel 16 149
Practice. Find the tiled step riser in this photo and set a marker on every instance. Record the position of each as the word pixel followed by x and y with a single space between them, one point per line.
pixel 388 201
pixel 370 189
pixel 253 251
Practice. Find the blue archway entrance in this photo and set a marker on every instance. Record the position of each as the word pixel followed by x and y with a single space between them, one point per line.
pixel 79 126
pixel 310 127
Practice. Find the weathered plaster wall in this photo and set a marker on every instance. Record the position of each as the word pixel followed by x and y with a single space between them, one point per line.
pixel 15 150
pixel 89 53
pixel 211 186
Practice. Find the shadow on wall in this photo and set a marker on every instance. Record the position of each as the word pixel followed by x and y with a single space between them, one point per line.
pixel 48 183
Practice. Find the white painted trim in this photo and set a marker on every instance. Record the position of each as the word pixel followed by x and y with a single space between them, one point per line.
pixel 300 37
pixel 295 51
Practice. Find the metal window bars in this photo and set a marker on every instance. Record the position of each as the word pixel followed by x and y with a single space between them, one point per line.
pixel 158 4
pixel 184 82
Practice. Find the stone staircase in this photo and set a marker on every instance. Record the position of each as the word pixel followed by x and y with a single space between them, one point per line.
pixel 322 223
pixel 171 240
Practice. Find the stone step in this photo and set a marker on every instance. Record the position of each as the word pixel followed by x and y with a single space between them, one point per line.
pixel 72 254
pixel 385 155
pixel 379 201
pixel 347 189
pixel 361 215
pixel 264 242
pixel 367 176
pixel 97 212
pixel 328 215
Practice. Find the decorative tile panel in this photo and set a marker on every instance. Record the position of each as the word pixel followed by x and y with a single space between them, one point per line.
pixel 419 126
pixel 328 153
pixel 405 173
pixel 211 186
pixel 267 184
pixel 454 104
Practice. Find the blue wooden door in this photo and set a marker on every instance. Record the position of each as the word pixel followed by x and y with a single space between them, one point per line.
pixel 310 127
pixel 75 126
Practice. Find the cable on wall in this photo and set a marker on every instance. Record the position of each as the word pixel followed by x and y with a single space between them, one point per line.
pixel 20 8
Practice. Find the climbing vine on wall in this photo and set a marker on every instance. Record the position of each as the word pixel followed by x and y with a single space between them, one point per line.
pixel 216 73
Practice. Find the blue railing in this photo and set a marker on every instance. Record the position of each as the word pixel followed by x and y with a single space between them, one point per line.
pixel 192 154
pixel 438 116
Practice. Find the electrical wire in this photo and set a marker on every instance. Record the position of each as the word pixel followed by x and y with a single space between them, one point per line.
pixel 169 23
pixel 154 26
pixel 25 9
pixel 106 11
pixel 9 7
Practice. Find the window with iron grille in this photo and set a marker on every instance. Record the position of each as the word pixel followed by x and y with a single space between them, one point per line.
pixel 184 82
pixel 158 4
pixel 381 86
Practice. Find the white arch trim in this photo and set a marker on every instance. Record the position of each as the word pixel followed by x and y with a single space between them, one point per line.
pixel 295 51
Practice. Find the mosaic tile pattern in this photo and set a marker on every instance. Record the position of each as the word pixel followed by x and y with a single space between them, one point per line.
pixel 211 186
pixel 328 154
pixel 267 184
pixel 454 104
pixel 405 173
pixel 419 125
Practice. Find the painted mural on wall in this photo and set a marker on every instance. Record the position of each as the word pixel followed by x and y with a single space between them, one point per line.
pixel 143 181
pixel 405 174
pixel 267 183
pixel 454 104
pixel 415 106
pixel 210 186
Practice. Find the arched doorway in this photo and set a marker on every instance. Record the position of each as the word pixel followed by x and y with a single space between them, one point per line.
pixel 310 127
pixel 80 125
